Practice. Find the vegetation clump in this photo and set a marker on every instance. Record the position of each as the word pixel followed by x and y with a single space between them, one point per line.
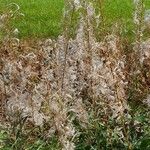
pixel 83 90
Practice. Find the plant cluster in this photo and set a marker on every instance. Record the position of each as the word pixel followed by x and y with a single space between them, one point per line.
pixel 79 90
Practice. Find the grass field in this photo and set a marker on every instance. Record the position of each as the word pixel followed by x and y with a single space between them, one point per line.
pixel 43 18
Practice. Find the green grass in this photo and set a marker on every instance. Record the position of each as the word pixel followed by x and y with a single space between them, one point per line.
pixel 121 11
pixel 43 17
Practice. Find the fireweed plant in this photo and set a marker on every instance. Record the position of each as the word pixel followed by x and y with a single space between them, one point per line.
pixel 77 92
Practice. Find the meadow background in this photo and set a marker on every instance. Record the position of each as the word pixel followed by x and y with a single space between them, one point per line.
pixel 44 18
